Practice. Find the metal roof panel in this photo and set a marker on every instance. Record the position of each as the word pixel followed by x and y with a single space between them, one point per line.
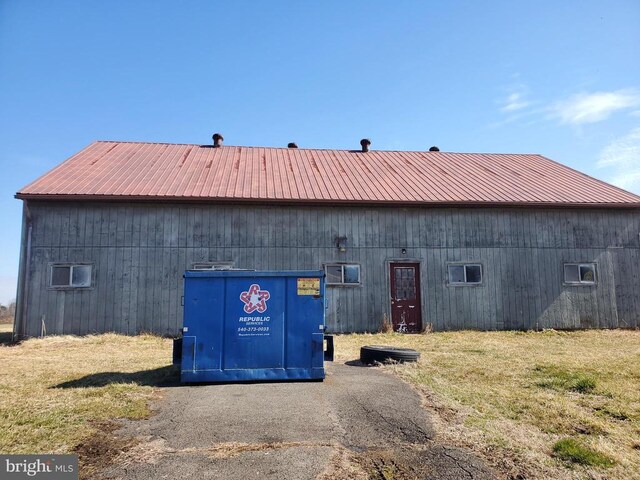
pixel 137 170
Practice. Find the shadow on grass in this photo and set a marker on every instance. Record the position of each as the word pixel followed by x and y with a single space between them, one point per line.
pixel 6 338
pixel 168 376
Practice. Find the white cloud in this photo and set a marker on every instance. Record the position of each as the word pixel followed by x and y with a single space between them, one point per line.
pixel 514 102
pixel 576 109
pixel 594 107
pixel 622 157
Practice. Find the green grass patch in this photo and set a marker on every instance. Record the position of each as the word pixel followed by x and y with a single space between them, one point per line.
pixel 616 414
pixel 388 472
pixel 559 378
pixel 571 450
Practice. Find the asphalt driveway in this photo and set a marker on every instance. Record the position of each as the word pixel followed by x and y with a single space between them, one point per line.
pixel 359 423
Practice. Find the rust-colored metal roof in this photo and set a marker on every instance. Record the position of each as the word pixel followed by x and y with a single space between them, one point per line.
pixel 160 171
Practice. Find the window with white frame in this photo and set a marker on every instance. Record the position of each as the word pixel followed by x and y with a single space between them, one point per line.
pixel 342 274
pixel 66 275
pixel 465 274
pixel 213 266
pixel 580 273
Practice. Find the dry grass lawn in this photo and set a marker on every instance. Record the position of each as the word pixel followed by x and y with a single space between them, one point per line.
pixel 57 392
pixel 514 396
pixel 542 405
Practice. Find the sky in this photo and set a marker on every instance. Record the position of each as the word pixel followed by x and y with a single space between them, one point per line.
pixel 557 78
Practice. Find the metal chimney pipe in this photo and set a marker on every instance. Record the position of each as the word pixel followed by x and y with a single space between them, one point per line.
pixel 364 143
pixel 217 140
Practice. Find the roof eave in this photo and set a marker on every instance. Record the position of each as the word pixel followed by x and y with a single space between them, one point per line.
pixel 289 201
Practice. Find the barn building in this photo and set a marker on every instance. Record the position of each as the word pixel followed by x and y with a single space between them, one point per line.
pixel 424 239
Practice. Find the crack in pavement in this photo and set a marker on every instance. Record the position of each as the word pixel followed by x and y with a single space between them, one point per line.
pixel 394 425
pixel 456 461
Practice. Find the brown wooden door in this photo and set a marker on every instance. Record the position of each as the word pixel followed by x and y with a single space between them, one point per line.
pixel 406 314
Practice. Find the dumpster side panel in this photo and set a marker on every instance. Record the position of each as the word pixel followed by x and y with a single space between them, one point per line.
pixel 255 317
pixel 245 326
pixel 305 320
pixel 204 307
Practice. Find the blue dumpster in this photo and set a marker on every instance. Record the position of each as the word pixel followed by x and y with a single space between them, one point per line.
pixel 253 325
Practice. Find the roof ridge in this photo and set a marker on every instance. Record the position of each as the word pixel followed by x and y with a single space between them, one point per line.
pixel 313 149
pixel 145 142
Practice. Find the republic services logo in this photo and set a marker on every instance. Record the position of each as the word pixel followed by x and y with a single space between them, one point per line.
pixel 255 299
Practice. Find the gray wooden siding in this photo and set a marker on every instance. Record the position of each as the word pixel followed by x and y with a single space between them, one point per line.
pixel 139 252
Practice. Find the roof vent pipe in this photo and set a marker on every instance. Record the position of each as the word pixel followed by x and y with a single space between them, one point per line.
pixel 365 142
pixel 434 149
pixel 292 145
pixel 217 140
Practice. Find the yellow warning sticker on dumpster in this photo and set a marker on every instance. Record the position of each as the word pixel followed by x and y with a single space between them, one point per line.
pixel 308 286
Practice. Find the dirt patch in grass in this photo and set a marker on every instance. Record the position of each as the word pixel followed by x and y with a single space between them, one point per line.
pixel 100 450
pixel 510 396
pixel 61 394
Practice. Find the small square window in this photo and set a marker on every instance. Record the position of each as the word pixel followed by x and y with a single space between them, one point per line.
pixel 571 274
pixel 60 276
pixel 580 273
pixel 70 276
pixel 456 273
pixel 342 274
pixel 474 274
pixel 334 273
pixel 465 274
pixel 588 273
pixel 351 273
pixel 81 276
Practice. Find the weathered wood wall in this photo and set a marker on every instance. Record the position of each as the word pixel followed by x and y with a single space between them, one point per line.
pixel 140 251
